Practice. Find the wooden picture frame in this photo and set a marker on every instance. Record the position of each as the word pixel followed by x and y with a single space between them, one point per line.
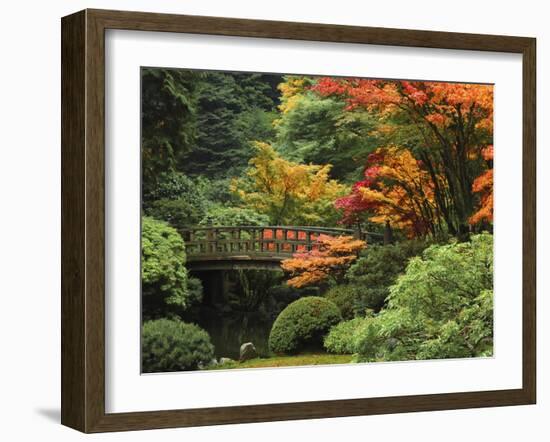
pixel 83 220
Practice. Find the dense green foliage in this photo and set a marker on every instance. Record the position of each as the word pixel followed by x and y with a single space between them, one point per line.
pixel 171 345
pixel 374 273
pixel 203 122
pixel 344 296
pixel 233 216
pixel 164 278
pixel 177 199
pixel 442 307
pixel 218 191
pixel 169 100
pixel 194 291
pixel 250 290
pixel 317 130
pixel 180 213
pixel 303 324
pixel 233 109
pixel 341 338
pixel 175 185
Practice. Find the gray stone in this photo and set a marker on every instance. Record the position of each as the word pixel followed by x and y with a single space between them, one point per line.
pixel 248 351
pixel 212 363
pixel 225 360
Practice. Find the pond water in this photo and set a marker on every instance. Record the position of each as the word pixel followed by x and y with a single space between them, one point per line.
pixel 229 330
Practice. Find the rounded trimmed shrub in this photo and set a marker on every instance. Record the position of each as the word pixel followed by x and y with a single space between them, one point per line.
pixel 344 297
pixel 173 345
pixel 303 324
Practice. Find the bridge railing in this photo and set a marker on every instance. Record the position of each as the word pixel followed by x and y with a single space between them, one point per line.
pixel 265 240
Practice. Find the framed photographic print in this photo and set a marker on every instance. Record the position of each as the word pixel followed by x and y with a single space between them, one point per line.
pixel 267 221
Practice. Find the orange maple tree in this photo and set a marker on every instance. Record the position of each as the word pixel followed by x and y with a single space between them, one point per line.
pixel 396 190
pixel 330 257
pixel 483 185
pixel 452 123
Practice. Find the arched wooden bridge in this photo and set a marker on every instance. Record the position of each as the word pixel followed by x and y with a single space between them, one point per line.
pixel 253 247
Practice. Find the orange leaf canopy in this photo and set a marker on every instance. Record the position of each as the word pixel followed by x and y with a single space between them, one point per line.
pixel 329 257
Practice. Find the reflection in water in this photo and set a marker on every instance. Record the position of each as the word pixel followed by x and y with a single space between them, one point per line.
pixel 229 330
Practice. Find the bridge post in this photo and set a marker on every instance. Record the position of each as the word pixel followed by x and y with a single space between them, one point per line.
pixel 308 241
pixel 252 243
pixel 277 242
pixel 210 235
pixel 233 236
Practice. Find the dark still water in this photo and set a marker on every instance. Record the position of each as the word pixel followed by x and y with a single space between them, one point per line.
pixel 229 330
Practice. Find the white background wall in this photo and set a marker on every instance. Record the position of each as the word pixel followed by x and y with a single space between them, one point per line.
pixel 30 217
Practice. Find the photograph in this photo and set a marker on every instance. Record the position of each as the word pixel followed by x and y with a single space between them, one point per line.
pixel 301 220
pixel 255 221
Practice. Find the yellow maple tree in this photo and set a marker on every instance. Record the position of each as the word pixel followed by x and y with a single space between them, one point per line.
pixel 289 193
pixel 292 90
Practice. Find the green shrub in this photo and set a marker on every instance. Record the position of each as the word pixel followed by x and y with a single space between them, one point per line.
pixel 218 191
pixel 341 337
pixel 377 270
pixel 169 345
pixel 344 296
pixel 177 199
pixel 164 278
pixel 173 186
pixel 180 213
pixel 442 307
pixel 303 324
pixel 233 216
pixel 195 290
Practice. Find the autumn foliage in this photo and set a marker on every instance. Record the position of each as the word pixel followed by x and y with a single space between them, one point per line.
pixel 396 189
pixel 329 258
pixel 437 103
pixel 274 181
pixel 289 193
pixel 439 131
pixel 483 185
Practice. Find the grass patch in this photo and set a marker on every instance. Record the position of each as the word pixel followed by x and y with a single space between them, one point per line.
pixel 286 361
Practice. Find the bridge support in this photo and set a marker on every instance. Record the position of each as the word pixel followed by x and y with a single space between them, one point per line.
pixel 215 284
pixel 388 234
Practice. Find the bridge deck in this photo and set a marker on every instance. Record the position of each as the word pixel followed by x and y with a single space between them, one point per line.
pixel 252 246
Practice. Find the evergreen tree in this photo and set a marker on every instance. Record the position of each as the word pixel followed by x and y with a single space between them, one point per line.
pixel 233 110
pixel 168 120
pixel 318 130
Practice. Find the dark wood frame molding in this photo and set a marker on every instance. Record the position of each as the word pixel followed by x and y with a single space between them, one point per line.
pixel 83 215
